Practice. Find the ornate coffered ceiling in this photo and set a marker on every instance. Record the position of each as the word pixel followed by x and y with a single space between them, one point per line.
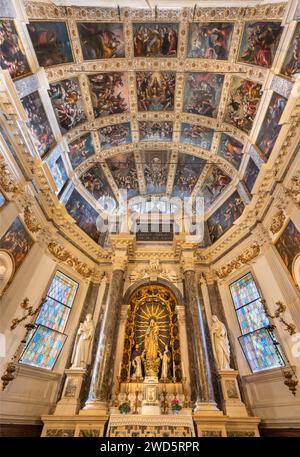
pixel 173 102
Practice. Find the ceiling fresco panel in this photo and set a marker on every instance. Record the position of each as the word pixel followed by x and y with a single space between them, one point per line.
pixel 196 135
pixel 101 40
pixel 51 42
pixel 81 149
pixel 187 174
pixel 123 169
pixel 259 43
pixel 67 104
pixel 95 181
pixel 214 184
pixel 202 93
pixel 12 54
pixel 156 131
pixel 115 135
pixel 250 174
pixel 109 93
pixel 156 167
pixel 291 64
pixel 155 90
pixel 155 39
pixel 209 40
pixel 57 168
pixel 231 149
pixel 224 217
pixel 243 103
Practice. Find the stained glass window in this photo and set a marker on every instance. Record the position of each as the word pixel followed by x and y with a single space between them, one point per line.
pixel 46 341
pixel 261 349
pixel 2 199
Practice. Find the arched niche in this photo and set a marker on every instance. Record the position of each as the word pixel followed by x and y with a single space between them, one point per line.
pixel 6 270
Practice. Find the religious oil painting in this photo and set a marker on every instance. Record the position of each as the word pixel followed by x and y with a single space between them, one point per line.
pixel 291 64
pixel 57 168
pixel 196 135
pixel 156 166
pixel 101 40
pixel 259 43
pixel 51 42
pixel 156 131
pixel 155 40
pixel 288 245
pixel 209 40
pixel 95 181
pixel 155 90
pixel 243 103
pixel 224 217
pixel 214 184
pixel 187 174
pixel 115 135
pixel 250 175
pixel 17 242
pixel 81 149
pixel 67 103
pixel 83 213
pixel 270 127
pixel 12 54
pixel 231 150
pixel 202 93
pixel 109 93
pixel 123 169
pixel 38 123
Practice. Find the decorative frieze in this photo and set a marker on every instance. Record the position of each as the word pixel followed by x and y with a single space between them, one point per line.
pixel 242 259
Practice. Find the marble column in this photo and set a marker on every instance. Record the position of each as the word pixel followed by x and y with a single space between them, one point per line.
pixel 102 374
pixel 201 379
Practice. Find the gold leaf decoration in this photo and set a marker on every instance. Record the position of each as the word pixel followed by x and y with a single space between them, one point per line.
pixel 31 221
pixel 63 255
pixel 250 253
pixel 277 222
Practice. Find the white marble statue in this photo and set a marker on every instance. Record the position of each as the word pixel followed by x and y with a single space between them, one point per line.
pixel 220 344
pixel 83 343
pixel 166 359
pixel 137 364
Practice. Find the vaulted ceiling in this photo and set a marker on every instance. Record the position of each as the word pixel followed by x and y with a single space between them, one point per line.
pixel 177 102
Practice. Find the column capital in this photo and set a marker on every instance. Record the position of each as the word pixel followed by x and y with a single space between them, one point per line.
pixel 187 261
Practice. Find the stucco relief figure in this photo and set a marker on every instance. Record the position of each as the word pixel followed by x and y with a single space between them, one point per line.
pixel 151 349
pixel 82 348
pixel 137 364
pixel 220 344
pixel 166 359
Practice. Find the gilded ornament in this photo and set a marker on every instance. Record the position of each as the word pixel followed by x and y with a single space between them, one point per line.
pixel 277 222
pixel 31 221
pixel 6 181
pixel 250 253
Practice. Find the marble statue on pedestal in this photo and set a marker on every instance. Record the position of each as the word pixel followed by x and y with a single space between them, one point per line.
pixel 137 364
pixel 220 344
pixel 166 359
pixel 83 343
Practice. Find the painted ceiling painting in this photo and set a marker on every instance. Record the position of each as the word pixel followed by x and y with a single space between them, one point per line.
pixel 123 169
pixel 260 42
pixel 83 213
pixel 251 174
pixel 38 123
pixel 115 135
pixel 270 127
pixel 51 42
pixel 100 40
pixel 155 39
pixel 156 166
pixel 224 217
pixel 57 168
pixel 243 104
pixel 156 131
pixel 80 150
pixel 288 245
pixel 202 93
pixel 196 135
pixel 109 92
pixel 215 182
pixel 12 54
pixel 95 181
pixel 67 103
pixel 155 90
pixel 187 173
pixel 210 40
pixel 291 64
pixel 231 149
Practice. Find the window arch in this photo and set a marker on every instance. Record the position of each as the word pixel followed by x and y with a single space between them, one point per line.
pixel 46 340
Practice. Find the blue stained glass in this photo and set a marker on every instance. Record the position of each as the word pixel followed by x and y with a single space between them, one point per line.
pixel 260 351
pixel 43 348
pixel 252 317
pixel 244 291
pixel 63 289
pixel 53 315
pixel 2 200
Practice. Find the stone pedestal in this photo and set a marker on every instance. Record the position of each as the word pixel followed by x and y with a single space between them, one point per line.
pixel 232 402
pixel 70 402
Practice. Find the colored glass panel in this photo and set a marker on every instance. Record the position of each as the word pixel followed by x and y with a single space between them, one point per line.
pixel 252 317
pixel 244 291
pixel 63 289
pixel 43 348
pixel 53 315
pixel 2 200
pixel 260 351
